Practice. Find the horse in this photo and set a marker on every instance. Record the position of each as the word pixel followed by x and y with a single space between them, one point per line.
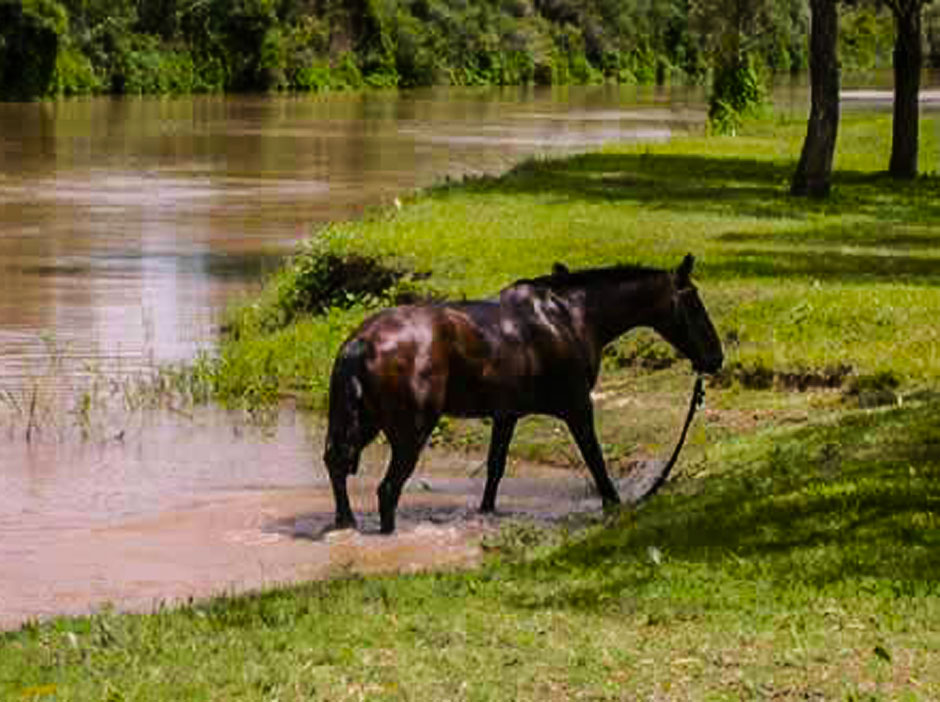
pixel 535 349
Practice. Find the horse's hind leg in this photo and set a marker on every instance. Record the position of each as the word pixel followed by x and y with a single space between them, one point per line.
pixel 338 471
pixel 503 427
pixel 405 451
pixel 340 464
pixel 400 468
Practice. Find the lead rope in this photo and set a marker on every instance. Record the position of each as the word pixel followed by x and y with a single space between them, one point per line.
pixel 698 400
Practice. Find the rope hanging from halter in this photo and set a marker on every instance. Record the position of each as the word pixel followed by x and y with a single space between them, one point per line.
pixel 698 400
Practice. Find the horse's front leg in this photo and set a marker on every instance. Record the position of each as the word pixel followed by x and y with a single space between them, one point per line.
pixel 581 424
pixel 503 427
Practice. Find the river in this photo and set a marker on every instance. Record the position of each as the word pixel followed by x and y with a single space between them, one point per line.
pixel 128 225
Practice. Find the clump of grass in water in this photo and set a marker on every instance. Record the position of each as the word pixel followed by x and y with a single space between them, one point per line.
pixel 33 406
pixel 323 277
pixel 73 399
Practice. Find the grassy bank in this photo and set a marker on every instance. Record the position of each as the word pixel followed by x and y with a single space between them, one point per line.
pixel 846 286
pixel 797 564
pixel 795 554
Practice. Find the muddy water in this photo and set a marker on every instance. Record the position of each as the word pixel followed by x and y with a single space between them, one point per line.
pixel 178 508
pixel 127 224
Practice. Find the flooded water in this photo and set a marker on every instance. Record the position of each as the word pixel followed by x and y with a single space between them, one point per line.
pixel 126 225
pixel 180 508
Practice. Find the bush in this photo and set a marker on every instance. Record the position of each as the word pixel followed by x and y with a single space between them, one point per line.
pixel 736 93
pixel 31 32
pixel 142 67
pixel 866 38
pixel 315 77
pixel 346 74
pixel 317 280
pixel 74 74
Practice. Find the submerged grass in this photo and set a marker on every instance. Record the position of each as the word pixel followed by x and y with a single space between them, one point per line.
pixel 70 399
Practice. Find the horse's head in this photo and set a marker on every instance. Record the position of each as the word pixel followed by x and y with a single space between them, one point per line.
pixel 687 325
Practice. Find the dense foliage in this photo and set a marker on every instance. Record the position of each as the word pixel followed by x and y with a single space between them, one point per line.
pixel 55 47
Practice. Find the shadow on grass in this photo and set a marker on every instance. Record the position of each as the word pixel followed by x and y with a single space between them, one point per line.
pixel 852 252
pixel 829 265
pixel 713 184
pixel 874 235
pixel 855 502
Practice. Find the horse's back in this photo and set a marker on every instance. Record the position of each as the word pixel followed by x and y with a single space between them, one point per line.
pixel 472 358
pixel 414 352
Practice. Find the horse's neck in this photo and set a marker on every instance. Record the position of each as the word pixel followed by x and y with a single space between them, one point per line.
pixel 618 308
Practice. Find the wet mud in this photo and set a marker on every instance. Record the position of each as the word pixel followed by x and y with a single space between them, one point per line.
pixel 179 512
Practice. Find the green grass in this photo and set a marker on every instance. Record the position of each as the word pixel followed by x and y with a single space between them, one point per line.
pixel 798 564
pixel 793 556
pixel 792 285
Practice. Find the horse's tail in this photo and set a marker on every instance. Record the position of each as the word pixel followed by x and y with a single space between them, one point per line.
pixel 344 438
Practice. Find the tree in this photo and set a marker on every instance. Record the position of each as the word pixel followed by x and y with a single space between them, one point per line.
pixel 30 34
pixel 813 175
pixel 731 30
pixel 908 62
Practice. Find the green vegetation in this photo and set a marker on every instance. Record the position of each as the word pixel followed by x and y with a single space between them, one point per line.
pixel 793 556
pixel 71 399
pixel 67 47
pixel 796 563
pixel 796 288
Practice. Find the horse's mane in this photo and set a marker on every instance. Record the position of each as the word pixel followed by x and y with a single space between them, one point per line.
pixel 563 279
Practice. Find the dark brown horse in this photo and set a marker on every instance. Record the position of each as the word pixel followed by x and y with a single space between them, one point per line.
pixel 534 350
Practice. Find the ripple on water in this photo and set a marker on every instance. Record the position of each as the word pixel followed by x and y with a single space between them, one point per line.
pixel 191 508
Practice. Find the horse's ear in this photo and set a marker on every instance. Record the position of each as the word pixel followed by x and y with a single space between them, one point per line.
pixel 684 271
pixel 560 270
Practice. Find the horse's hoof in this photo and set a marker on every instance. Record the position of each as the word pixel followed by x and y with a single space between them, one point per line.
pixel 347 523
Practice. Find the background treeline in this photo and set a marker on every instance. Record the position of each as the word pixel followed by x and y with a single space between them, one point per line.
pixel 66 47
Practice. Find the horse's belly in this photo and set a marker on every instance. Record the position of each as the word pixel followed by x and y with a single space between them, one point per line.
pixel 482 399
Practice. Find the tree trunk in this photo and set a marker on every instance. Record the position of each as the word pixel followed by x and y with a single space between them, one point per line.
pixel 908 61
pixel 814 172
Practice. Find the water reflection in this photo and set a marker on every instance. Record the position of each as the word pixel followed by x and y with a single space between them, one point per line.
pixel 127 225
